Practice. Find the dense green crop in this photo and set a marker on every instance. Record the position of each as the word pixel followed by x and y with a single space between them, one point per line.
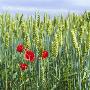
pixel 67 41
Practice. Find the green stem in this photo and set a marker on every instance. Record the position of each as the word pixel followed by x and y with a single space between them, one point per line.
pixel 6 70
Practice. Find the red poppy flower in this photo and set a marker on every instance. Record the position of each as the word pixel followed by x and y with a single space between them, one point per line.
pixel 29 55
pixel 23 66
pixel 44 54
pixel 20 47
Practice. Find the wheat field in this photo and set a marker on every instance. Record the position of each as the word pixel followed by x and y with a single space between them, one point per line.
pixel 67 40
